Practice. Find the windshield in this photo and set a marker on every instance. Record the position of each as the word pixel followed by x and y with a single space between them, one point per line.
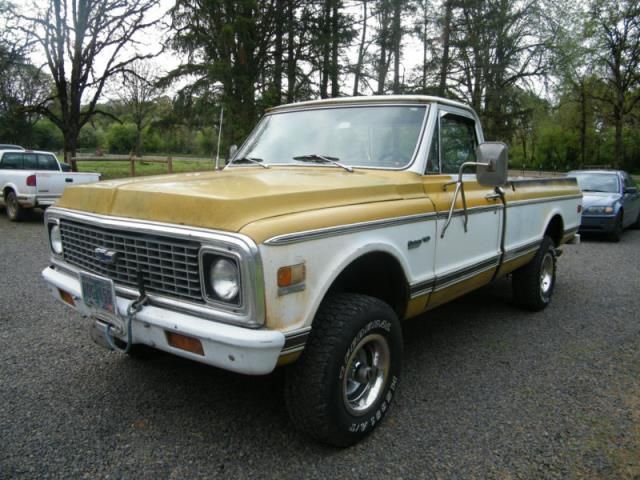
pixel 376 136
pixel 597 182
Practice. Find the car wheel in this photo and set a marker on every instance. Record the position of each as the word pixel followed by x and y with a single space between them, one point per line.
pixel 636 226
pixel 616 233
pixel 14 211
pixel 533 284
pixel 345 380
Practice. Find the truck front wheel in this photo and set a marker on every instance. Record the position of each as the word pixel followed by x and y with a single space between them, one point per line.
pixel 347 376
pixel 533 284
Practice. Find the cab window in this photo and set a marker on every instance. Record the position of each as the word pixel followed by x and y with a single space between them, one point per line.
pixel 30 161
pixel 11 161
pixel 457 142
pixel 47 162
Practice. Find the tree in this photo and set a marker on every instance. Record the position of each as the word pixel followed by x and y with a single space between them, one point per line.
pixel 499 46
pixel 228 46
pixel 73 34
pixel 617 39
pixel 21 83
pixel 137 91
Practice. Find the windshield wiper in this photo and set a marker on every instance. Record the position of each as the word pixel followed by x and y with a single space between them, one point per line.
pixel 315 158
pixel 254 160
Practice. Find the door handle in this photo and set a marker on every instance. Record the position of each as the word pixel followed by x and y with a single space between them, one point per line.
pixel 68 180
pixel 492 196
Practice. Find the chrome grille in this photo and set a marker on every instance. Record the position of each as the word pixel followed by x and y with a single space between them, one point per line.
pixel 169 266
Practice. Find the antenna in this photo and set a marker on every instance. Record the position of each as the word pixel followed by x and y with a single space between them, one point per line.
pixel 219 137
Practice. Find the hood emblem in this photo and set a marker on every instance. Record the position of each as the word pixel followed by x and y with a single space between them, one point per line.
pixel 105 256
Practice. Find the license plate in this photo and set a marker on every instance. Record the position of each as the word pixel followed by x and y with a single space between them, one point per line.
pixel 99 295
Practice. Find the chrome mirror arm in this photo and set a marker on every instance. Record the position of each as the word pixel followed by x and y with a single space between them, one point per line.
pixel 460 190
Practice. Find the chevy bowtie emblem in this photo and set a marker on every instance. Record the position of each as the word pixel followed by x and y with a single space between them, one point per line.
pixel 105 256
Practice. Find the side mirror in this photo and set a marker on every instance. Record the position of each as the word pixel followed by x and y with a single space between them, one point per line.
pixel 65 167
pixel 630 190
pixel 495 156
pixel 232 152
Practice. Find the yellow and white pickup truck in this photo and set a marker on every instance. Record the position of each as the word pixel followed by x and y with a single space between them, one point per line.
pixel 336 220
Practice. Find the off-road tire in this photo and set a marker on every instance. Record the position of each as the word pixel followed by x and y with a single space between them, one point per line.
pixel 14 211
pixel 529 288
pixel 618 228
pixel 316 392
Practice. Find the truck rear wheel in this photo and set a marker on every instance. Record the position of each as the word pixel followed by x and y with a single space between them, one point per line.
pixel 533 284
pixel 347 376
pixel 14 211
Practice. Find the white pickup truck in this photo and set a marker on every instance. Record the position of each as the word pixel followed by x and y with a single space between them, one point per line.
pixel 336 220
pixel 32 179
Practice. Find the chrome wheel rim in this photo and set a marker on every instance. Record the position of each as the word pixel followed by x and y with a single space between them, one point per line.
pixel 11 205
pixel 546 274
pixel 366 374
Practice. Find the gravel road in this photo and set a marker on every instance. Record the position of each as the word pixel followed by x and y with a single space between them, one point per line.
pixel 488 391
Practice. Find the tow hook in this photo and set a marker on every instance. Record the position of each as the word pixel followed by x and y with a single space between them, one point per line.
pixel 132 310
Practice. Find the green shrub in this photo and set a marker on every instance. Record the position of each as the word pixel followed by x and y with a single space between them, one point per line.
pixel 121 138
pixel 46 136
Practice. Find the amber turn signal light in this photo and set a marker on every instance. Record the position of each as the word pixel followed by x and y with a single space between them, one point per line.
pixel 183 342
pixel 291 275
pixel 67 298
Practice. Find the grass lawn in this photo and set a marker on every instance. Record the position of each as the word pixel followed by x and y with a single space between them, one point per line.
pixel 120 169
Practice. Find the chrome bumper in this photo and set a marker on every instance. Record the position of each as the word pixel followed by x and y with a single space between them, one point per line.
pixel 238 349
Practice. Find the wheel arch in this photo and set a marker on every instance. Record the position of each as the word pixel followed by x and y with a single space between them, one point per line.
pixel 377 273
pixel 356 264
pixel 6 189
pixel 555 228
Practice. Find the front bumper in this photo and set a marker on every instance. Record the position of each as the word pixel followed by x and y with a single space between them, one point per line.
pixel 238 349
pixel 598 223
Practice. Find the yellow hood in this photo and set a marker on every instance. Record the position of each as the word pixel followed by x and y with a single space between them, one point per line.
pixel 232 198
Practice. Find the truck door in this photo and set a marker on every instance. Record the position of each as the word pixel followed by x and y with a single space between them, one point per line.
pixel 467 256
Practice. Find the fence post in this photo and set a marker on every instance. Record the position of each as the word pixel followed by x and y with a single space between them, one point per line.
pixel 132 165
pixel 169 164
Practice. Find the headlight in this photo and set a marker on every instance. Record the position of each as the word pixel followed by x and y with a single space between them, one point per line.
pixel 225 279
pixel 222 281
pixel 599 210
pixel 55 239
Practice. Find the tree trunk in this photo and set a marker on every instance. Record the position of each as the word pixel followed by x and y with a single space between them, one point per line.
pixel 358 69
pixel 397 43
pixel 70 143
pixel 583 123
pixel 425 37
pixel 618 149
pixel 326 50
pixel 277 53
pixel 383 39
pixel 138 138
pixel 291 51
pixel 335 47
pixel 446 37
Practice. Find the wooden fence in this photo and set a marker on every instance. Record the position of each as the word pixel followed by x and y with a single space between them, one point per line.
pixel 168 161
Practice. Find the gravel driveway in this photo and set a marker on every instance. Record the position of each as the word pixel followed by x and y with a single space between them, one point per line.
pixel 488 391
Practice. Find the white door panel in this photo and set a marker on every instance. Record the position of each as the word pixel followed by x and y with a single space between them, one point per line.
pixel 459 250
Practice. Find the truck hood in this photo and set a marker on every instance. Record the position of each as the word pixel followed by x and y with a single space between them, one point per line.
pixel 232 198
pixel 604 199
